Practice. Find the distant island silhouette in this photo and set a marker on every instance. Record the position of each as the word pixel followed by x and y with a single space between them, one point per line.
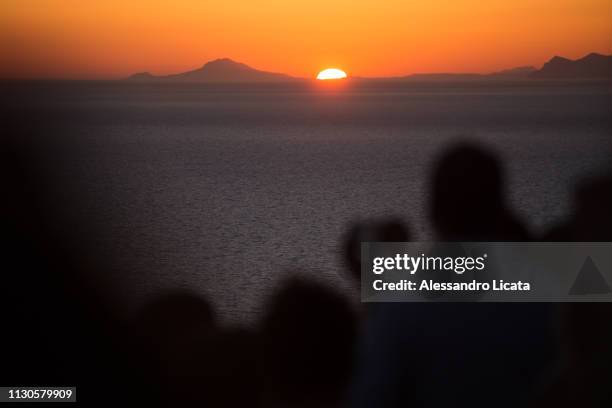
pixel 225 70
pixel 220 70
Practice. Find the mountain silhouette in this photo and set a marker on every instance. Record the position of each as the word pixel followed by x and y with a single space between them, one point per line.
pixel 220 70
pixel 589 67
pixel 225 70
pixel 512 73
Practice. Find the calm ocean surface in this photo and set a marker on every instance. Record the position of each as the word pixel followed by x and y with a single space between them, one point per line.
pixel 225 190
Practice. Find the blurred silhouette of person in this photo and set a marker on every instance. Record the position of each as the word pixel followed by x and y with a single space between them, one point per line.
pixel 185 359
pixel 166 336
pixel 48 292
pixel 591 220
pixel 586 333
pixel 467 200
pixel 377 230
pixel 457 354
pixel 308 333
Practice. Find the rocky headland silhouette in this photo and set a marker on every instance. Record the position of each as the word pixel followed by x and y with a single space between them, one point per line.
pixel 591 66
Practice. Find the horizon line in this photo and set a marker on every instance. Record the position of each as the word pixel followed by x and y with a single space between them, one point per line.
pixel 292 77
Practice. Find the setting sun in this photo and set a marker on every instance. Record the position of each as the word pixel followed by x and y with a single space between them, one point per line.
pixel 331 73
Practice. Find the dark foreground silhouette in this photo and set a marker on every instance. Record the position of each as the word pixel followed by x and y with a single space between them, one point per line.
pixel 310 348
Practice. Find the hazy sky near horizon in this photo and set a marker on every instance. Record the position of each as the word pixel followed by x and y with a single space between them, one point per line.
pixel 112 39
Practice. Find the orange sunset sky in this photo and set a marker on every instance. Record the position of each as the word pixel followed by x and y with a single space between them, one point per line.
pixel 112 39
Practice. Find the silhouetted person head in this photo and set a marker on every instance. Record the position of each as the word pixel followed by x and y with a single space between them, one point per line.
pixel 188 360
pixel 590 219
pixel 383 230
pixel 169 336
pixel 467 197
pixel 308 333
pixel 173 318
